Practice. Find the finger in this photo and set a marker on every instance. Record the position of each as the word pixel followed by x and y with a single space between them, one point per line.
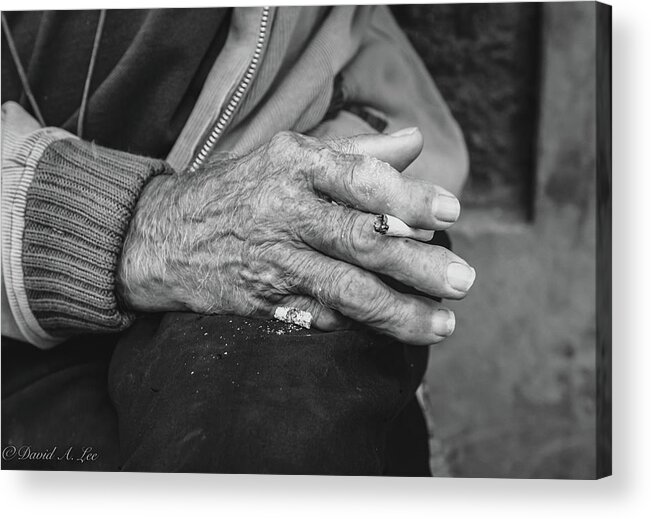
pixel 398 149
pixel 373 186
pixel 361 296
pixel 323 318
pixel 350 235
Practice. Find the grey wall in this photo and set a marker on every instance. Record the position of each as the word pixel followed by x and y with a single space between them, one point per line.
pixel 484 58
pixel 512 393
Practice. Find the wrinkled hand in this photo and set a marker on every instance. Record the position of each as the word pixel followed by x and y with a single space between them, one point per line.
pixel 245 235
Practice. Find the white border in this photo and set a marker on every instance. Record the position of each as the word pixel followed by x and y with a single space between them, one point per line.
pixel 627 494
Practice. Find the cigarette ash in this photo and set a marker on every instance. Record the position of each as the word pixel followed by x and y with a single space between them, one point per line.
pixel 279 328
pixel 275 327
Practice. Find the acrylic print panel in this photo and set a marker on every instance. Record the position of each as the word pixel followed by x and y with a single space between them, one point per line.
pixel 180 292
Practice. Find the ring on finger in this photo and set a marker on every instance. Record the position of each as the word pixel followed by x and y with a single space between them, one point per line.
pixel 389 225
pixel 291 315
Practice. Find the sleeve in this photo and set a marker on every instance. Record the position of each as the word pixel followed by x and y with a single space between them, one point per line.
pixel 344 124
pixel 66 208
pixel 388 78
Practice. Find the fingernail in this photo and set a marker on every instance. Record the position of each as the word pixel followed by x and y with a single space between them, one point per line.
pixel 460 276
pixel 404 132
pixel 447 208
pixel 444 322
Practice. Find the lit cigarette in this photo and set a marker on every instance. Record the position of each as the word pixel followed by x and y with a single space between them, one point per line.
pixel 392 226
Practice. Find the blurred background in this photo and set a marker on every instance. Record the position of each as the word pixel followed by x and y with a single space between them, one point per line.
pixel 513 392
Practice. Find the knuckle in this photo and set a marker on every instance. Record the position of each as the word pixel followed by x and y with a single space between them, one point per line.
pixel 291 155
pixel 348 282
pixel 286 144
pixel 264 272
pixel 361 291
pixel 323 156
pixel 405 312
pixel 380 310
pixel 357 235
pixel 357 180
pixel 284 139
pixel 402 256
pixel 300 269
pixel 347 145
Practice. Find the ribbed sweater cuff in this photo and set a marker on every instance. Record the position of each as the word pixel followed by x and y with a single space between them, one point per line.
pixel 77 214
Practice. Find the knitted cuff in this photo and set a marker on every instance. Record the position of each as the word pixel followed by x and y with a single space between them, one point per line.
pixel 77 214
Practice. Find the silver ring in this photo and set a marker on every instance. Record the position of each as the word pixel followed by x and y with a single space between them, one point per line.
pixel 291 315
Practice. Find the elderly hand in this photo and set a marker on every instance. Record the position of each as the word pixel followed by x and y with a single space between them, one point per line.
pixel 246 235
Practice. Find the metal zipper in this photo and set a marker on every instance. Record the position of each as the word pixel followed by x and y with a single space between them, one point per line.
pixel 236 98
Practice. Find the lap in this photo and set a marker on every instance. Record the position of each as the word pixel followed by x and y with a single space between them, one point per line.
pixel 217 394
pixel 226 394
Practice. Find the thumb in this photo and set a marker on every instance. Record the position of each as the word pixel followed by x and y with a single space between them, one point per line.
pixel 399 149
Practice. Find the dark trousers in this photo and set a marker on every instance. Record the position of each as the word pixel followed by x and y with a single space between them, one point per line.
pixel 190 393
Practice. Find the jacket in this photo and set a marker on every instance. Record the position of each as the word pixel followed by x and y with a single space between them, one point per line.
pixel 67 203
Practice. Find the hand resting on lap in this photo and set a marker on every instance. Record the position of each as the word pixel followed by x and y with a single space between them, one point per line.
pixel 248 234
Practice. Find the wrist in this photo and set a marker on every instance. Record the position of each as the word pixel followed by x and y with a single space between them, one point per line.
pixel 143 283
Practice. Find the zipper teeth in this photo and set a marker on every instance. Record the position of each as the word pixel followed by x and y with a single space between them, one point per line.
pixel 227 113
